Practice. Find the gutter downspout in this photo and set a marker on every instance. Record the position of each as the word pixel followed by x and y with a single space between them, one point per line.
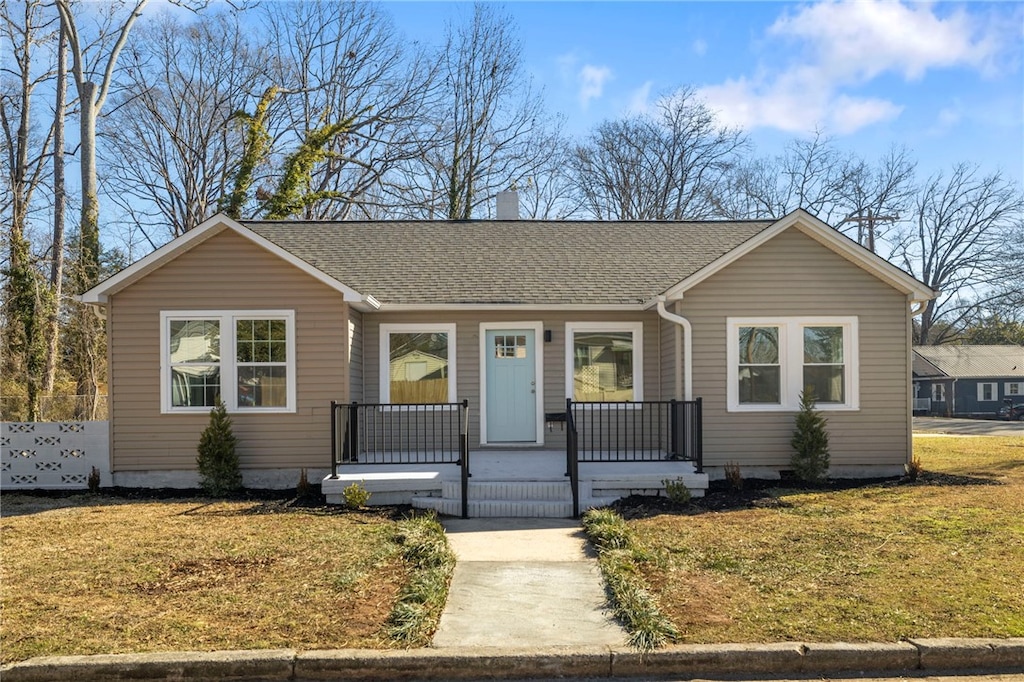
pixel 687 346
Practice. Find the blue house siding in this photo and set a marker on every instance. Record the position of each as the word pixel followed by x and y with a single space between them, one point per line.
pixel 972 397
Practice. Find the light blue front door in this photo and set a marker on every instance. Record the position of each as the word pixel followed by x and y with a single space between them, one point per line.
pixel 511 386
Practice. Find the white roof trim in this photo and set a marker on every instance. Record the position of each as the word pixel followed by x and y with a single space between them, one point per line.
pixel 823 234
pixel 208 228
pixel 413 307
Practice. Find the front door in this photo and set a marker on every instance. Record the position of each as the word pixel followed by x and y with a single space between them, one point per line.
pixel 511 386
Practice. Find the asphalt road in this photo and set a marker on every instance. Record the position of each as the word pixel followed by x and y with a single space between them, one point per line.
pixel 967 427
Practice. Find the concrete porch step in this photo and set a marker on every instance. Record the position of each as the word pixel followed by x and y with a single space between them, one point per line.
pixel 558 490
pixel 544 509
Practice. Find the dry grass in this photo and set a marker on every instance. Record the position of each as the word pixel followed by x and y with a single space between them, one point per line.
pixel 86 575
pixel 940 557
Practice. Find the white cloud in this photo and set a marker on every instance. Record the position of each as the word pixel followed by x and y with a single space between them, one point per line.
pixel 842 45
pixel 699 47
pixel 592 79
pixel 640 100
pixel 858 40
pixel 947 119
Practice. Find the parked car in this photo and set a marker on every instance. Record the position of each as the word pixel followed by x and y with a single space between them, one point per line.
pixel 1013 412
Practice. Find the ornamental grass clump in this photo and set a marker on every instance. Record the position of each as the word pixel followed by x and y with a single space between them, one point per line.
pixel 619 559
pixel 219 470
pixel 418 609
pixel 810 458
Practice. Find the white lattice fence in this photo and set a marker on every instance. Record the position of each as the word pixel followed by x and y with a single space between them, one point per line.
pixel 53 454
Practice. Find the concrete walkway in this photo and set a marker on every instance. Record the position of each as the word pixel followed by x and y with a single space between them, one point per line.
pixel 524 583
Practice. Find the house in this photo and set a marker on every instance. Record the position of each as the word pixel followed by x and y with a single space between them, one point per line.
pixel 967 381
pixel 608 345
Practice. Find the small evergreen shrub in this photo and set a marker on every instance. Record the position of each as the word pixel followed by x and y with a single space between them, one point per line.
pixel 219 471
pixel 810 442
pixel 733 476
pixel 677 491
pixel 356 495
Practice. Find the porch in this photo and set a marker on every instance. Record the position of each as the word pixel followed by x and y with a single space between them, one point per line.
pixel 420 454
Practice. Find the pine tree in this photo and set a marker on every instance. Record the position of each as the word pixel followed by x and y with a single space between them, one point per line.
pixel 219 471
pixel 810 442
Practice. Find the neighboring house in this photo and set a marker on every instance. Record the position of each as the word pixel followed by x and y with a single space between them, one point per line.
pixel 967 381
pixel 514 317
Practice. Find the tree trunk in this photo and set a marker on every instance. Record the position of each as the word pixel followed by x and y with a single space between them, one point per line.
pixel 57 265
pixel 90 227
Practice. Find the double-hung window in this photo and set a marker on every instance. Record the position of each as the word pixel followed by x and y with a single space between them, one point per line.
pixel 604 361
pixel 771 361
pixel 245 358
pixel 417 363
pixel 986 392
pixel 1014 388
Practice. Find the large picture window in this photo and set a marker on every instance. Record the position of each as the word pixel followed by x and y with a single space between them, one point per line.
pixel 245 358
pixel 604 361
pixel 773 360
pixel 417 364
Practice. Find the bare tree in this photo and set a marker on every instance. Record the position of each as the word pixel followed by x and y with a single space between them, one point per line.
pixel 669 166
pixel 840 188
pixel 59 204
pixel 488 131
pixel 550 194
pixel 92 67
pixel 341 61
pixel 955 242
pixel 172 148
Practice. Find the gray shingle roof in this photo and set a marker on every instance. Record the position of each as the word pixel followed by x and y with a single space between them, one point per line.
pixel 527 262
pixel 975 361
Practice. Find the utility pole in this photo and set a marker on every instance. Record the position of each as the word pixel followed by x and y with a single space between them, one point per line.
pixel 870 219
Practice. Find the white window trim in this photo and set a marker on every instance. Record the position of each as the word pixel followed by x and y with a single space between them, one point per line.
pixel 981 392
pixel 386 330
pixel 228 358
pixel 637 329
pixel 791 349
pixel 940 390
pixel 538 353
pixel 1018 384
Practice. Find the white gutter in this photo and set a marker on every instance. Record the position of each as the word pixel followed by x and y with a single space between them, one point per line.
pixel 687 346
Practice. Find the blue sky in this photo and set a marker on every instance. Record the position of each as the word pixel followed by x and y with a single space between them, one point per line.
pixel 943 79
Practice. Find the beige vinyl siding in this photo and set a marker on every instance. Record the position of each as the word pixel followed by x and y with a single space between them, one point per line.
pixel 225 273
pixel 670 356
pixel 355 338
pixel 467 366
pixel 792 275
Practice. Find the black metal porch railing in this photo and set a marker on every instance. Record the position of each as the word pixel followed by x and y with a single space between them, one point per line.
pixel 649 431
pixel 383 433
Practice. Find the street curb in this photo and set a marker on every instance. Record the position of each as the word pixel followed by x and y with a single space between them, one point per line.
pixel 789 658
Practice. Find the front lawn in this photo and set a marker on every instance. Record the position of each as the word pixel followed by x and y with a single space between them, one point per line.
pixel 94 574
pixel 939 557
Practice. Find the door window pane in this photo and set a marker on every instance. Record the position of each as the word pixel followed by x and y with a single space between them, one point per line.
pixel 418 366
pixel 509 346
